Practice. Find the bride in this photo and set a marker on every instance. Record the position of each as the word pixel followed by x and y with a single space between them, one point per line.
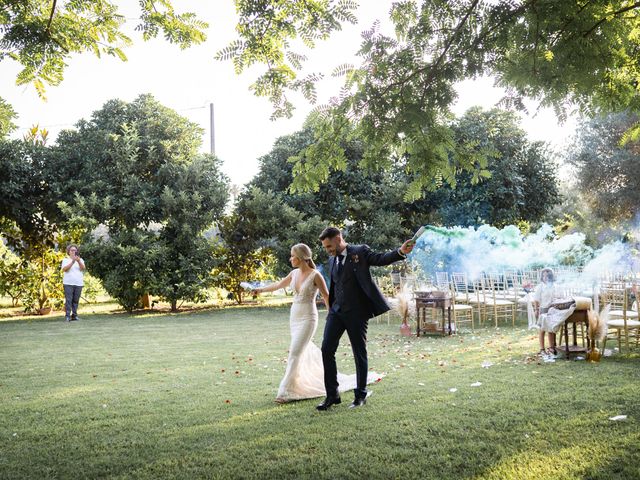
pixel 304 376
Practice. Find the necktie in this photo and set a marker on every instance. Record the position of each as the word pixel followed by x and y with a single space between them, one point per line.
pixel 339 264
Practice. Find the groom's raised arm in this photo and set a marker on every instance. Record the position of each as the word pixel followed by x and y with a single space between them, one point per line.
pixel 387 258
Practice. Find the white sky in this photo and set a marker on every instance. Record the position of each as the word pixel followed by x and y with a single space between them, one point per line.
pixel 188 80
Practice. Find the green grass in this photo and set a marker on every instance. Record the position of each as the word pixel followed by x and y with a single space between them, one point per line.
pixel 191 396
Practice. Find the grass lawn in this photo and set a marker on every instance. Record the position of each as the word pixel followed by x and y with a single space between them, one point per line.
pixel 191 396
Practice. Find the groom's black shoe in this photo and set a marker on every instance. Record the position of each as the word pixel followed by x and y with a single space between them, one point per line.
pixel 360 401
pixel 328 402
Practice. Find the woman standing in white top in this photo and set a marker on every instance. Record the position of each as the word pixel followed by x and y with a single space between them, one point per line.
pixel 73 280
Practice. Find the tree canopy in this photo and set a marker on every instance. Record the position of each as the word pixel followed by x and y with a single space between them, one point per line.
pixel 370 206
pixel 134 168
pixel 572 54
pixel 606 171
pixel 42 35
pixel 7 115
pixel 522 185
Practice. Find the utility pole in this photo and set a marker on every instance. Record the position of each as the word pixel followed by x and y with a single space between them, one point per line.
pixel 212 130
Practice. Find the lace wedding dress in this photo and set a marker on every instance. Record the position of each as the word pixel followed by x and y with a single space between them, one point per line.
pixel 304 376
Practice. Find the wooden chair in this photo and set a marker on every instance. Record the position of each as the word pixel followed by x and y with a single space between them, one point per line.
pixel 623 322
pixel 396 281
pixel 465 295
pixel 442 280
pixel 520 280
pixel 461 313
pixel 496 305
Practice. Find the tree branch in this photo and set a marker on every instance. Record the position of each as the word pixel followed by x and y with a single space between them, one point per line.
pixel 433 66
pixel 53 10
pixel 556 37
pixel 602 20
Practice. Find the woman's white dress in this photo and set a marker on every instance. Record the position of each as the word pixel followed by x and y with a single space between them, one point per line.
pixel 550 318
pixel 304 376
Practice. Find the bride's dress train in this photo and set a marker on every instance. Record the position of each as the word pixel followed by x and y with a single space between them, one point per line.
pixel 304 376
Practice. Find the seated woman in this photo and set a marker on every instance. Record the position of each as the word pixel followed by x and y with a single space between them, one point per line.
pixel 543 296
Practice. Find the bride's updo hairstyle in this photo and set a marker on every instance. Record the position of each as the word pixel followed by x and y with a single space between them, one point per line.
pixel 303 252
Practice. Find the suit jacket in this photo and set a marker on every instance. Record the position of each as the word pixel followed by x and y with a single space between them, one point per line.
pixel 361 295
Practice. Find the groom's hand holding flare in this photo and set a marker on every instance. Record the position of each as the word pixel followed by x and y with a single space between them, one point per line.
pixel 406 247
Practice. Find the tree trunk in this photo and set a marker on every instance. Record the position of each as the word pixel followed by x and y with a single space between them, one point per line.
pixel 146 303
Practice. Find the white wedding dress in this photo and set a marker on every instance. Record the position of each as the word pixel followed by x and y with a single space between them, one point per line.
pixel 304 376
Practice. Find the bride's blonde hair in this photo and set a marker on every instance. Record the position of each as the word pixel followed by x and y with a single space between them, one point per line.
pixel 303 252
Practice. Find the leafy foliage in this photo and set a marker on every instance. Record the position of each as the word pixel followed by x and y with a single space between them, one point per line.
pixel 570 54
pixel 371 206
pixel 522 182
pixel 26 175
pixel 7 115
pixel 351 199
pixel 40 279
pixel 41 35
pixel 605 170
pixel 261 228
pixel 235 268
pixel 267 28
pixel 11 276
pixel 154 195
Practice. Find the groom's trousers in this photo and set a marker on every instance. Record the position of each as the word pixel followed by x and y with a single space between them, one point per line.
pixel 356 327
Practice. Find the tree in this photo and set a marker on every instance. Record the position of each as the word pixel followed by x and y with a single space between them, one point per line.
pixel 266 29
pixel 570 54
pixel 352 198
pixel 10 275
pixel 263 223
pixel 522 185
pixel 41 279
pixel 134 168
pixel 191 204
pixel 605 170
pixel 7 115
pixel 25 175
pixel 29 220
pixel 241 259
pixel 41 34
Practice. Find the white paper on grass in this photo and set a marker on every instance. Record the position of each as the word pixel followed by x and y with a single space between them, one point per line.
pixel 618 418
pixel 476 384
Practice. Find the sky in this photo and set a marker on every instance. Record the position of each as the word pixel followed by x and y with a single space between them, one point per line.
pixel 189 80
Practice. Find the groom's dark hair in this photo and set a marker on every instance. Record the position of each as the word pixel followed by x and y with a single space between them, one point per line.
pixel 329 232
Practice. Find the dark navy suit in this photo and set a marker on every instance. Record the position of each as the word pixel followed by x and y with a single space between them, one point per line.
pixel 354 298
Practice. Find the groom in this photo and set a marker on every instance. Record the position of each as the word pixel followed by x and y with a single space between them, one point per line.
pixel 353 300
